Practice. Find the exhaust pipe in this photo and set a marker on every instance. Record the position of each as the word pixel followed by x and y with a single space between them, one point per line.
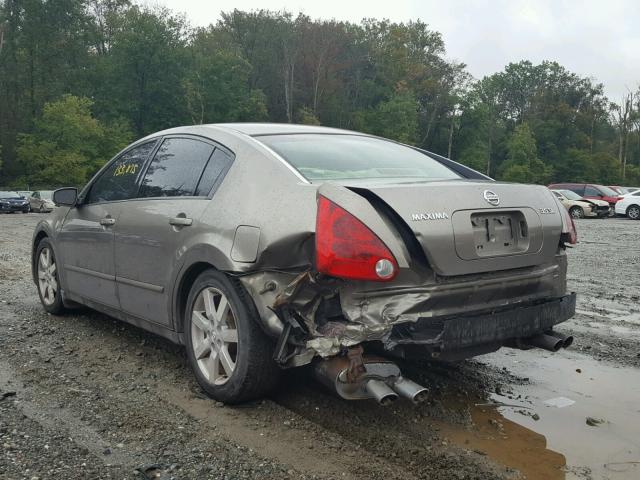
pixel 547 342
pixel 410 389
pixel 567 340
pixel 381 392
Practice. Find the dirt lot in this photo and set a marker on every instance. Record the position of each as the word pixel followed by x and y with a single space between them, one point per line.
pixel 85 396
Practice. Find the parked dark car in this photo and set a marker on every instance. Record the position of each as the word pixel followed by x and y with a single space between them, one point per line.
pixel 265 246
pixel 11 202
pixel 590 191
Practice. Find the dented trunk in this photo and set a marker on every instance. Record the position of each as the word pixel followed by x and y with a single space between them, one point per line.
pixel 466 227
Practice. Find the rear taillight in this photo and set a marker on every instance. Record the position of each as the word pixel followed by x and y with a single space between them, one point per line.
pixel 347 248
pixel 569 233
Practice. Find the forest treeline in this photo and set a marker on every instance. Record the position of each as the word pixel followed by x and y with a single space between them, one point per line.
pixel 79 79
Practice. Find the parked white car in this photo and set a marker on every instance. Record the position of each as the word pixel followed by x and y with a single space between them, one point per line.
pixel 629 206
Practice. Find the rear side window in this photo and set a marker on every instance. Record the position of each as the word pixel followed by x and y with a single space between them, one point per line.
pixel 321 157
pixel 213 172
pixel 118 181
pixel 176 168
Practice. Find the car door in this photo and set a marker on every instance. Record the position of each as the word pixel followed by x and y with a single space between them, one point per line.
pixel 152 231
pixel 35 201
pixel 85 241
pixel 592 193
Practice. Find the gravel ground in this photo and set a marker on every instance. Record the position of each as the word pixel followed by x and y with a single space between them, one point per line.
pixel 85 396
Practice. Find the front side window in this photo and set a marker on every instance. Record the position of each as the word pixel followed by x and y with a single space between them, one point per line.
pixel 118 181
pixel 176 168
pixel 592 192
pixel 320 157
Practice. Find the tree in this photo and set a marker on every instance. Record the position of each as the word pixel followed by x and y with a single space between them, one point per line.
pixel 396 118
pixel 68 144
pixel 142 77
pixel 522 164
pixel 217 83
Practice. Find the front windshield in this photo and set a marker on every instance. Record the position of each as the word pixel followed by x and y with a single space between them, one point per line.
pixel 321 157
pixel 571 195
pixel 9 195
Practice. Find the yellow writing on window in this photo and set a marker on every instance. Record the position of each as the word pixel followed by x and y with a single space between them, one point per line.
pixel 123 169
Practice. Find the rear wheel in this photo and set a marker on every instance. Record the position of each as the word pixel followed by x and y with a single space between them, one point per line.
pixel 229 354
pixel 576 212
pixel 633 212
pixel 47 278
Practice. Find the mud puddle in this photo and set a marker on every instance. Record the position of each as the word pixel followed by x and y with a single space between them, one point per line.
pixel 541 427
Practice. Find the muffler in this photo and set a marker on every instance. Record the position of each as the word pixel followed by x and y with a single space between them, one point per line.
pixel 381 380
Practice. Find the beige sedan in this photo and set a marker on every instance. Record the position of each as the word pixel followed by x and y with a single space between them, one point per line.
pixel 581 207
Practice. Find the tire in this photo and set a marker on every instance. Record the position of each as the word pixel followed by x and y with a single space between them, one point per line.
pixel 576 212
pixel 228 371
pixel 42 209
pixel 47 280
pixel 633 212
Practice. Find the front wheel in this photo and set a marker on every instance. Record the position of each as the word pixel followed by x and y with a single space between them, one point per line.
pixel 576 212
pixel 229 354
pixel 47 278
pixel 633 212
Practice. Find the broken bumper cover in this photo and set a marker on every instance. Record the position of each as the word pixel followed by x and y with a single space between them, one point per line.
pixel 497 327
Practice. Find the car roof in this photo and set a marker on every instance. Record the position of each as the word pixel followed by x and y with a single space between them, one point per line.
pixel 256 129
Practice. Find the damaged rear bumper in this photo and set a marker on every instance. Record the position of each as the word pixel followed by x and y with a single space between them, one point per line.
pixel 467 335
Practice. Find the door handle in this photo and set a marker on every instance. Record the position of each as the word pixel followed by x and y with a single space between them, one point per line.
pixel 180 221
pixel 107 221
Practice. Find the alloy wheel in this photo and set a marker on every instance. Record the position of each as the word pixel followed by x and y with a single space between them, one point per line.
pixel 634 212
pixel 214 335
pixel 47 279
pixel 577 212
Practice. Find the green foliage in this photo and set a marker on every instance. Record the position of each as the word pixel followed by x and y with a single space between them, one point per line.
pixel 522 163
pixel 145 67
pixel 68 144
pixel 307 117
pixel 396 118
pixel 217 84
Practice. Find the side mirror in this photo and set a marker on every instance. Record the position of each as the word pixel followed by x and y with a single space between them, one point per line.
pixel 65 196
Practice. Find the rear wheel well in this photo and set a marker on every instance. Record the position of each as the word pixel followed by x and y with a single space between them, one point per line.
pixel 186 282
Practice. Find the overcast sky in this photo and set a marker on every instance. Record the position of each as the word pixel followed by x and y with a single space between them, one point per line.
pixel 598 39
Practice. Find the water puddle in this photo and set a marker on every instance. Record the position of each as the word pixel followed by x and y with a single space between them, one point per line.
pixel 542 427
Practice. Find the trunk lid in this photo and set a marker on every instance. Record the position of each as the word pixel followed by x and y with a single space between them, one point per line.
pixel 467 226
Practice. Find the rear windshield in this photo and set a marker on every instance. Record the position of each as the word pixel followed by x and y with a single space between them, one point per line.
pixel 337 157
